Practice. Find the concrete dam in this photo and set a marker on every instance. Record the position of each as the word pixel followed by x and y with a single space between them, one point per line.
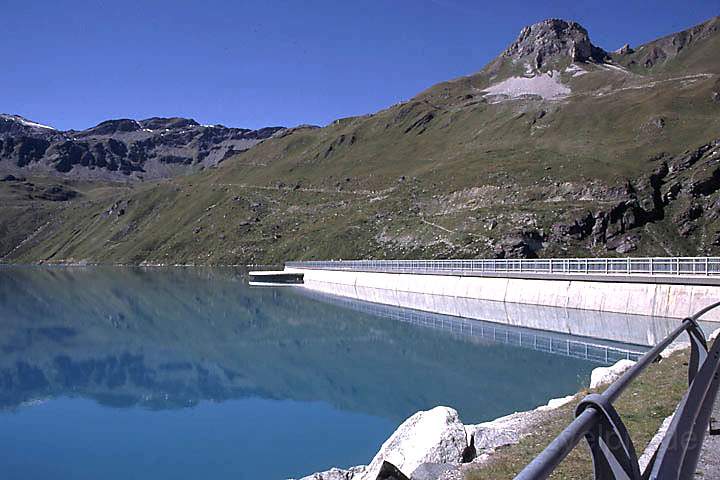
pixel 481 289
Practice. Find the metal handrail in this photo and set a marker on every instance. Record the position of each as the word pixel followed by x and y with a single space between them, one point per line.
pixel 650 266
pixel 612 449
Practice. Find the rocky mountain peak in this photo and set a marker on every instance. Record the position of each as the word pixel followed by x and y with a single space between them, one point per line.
pixel 553 41
pixel 17 125
pixel 110 127
pixel 158 123
pixel 662 50
pixel 155 147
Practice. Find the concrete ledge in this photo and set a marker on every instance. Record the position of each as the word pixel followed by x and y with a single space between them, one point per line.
pixel 650 299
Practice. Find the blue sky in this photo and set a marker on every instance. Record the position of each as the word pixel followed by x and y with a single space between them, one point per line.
pixel 72 64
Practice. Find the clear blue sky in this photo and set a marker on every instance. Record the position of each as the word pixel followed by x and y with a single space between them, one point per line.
pixel 72 63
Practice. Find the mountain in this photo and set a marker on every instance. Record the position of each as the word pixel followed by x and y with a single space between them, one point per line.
pixel 555 148
pixel 121 149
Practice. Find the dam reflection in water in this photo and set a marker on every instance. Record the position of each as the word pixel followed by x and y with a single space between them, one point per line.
pixel 119 372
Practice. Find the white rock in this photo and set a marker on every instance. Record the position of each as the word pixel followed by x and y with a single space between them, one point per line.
pixel 432 436
pixel 502 431
pixel 337 474
pixel 554 403
pixel 674 347
pixel 605 375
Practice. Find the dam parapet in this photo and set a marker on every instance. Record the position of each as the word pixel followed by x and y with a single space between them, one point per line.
pixel 657 287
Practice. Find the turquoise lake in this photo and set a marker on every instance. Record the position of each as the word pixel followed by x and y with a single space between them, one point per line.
pixel 123 373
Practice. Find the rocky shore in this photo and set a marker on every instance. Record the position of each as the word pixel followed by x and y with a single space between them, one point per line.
pixel 436 445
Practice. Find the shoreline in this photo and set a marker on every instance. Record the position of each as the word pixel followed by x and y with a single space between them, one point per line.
pixel 489 436
pixel 500 441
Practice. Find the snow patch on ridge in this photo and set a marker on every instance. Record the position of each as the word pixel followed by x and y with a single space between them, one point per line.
pixel 617 68
pixel 575 70
pixel 546 85
pixel 26 122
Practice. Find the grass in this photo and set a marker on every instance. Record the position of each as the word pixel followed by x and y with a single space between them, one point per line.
pixel 372 186
pixel 651 398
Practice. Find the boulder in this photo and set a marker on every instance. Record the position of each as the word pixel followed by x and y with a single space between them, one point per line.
pixel 494 434
pixel 432 471
pixel 337 474
pixel 432 436
pixel 388 471
pixel 623 244
pixel 521 244
pixel 606 375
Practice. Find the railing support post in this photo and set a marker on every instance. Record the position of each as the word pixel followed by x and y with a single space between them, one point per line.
pixel 613 452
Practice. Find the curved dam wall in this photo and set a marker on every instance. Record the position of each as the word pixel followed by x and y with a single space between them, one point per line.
pixel 456 295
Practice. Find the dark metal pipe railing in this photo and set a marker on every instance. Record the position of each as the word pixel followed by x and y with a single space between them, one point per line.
pixel 612 449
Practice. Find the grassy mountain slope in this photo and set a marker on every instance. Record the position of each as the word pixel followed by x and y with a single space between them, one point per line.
pixel 601 154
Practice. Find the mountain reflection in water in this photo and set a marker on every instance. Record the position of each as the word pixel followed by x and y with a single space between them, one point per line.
pixel 155 340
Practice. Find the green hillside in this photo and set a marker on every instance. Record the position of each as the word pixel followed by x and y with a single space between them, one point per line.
pixel 555 148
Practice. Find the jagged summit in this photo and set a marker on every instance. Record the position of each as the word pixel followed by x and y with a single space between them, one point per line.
pixel 155 147
pixel 700 41
pixel 550 42
pixel 16 122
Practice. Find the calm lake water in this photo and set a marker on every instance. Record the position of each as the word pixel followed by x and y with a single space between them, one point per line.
pixel 120 373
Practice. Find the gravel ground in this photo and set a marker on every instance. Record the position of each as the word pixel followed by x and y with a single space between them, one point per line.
pixel 709 464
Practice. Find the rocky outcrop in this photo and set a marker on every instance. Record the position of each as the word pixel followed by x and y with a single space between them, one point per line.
pixel 432 436
pixel 685 187
pixel 624 50
pixel 660 51
pixel 124 148
pixel 545 43
pixel 521 244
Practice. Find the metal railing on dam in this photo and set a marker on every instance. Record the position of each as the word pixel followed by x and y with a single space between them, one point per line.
pixel 644 267
pixel 612 449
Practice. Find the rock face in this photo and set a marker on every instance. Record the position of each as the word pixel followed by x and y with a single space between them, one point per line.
pixel 522 244
pixel 683 187
pixel 546 42
pixel 124 148
pixel 658 52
